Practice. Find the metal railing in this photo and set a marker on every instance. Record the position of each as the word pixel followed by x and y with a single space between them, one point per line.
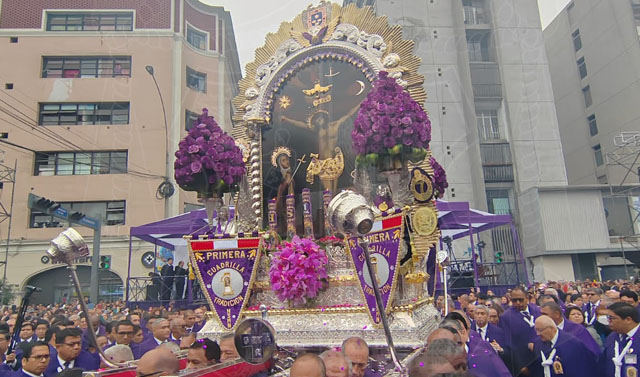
pixel 474 15
pixel 151 289
pixel 498 173
pixel 487 90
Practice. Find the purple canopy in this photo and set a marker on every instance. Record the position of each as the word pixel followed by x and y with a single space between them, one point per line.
pixel 456 220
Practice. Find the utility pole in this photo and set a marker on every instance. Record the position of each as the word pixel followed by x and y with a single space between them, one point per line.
pixel 7 175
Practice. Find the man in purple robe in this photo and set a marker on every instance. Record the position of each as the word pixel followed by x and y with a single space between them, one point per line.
pixel 518 324
pixel 622 347
pixel 560 353
pixel 70 353
pixel 554 311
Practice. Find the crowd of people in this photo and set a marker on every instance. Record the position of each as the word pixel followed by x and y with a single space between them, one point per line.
pixel 555 329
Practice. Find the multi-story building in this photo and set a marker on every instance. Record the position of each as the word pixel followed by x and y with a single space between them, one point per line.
pixel 97 100
pixel 594 55
pixel 495 128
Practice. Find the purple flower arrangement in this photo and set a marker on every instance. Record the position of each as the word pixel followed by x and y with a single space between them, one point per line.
pixel 390 122
pixel 208 160
pixel 439 178
pixel 298 270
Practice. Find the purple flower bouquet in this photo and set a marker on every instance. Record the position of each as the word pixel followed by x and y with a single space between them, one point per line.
pixel 440 183
pixel 298 270
pixel 208 160
pixel 390 123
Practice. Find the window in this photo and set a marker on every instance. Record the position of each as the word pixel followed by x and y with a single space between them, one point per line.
pixel 478 46
pixel 86 66
pixel 488 127
pixel 89 21
pixel 474 13
pixel 189 119
pixel 196 38
pixel 586 91
pixel 80 163
pixel 498 201
pixel 55 114
pixel 577 42
pixel 196 80
pixel 111 212
pixel 582 68
pixel 593 126
pixel 597 153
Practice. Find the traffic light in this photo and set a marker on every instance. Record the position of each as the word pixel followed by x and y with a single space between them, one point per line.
pixel 499 257
pixel 46 205
pixel 76 216
pixel 105 262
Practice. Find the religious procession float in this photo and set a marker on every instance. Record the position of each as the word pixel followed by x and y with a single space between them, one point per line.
pixel 329 130
pixel 321 202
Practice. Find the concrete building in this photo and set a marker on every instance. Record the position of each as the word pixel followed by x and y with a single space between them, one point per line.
pixel 495 128
pixel 594 54
pixel 79 97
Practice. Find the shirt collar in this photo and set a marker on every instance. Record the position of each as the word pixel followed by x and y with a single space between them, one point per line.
pixel 555 338
pixel 485 328
pixel 158 340
pixel 61 362
pixel 633 331
pixel 30 374
pixel 561 325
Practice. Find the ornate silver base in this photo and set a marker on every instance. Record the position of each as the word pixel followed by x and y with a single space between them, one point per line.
pixel 305 328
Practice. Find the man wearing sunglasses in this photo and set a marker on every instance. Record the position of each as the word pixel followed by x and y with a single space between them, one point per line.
pixel 35 359
pixel 594 296
pixel 70 353
pixel 124 335
pixel 518 323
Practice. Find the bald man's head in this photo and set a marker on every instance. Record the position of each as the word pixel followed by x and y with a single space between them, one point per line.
pixel 444 333
pixel 442 356
pixel 158 360
pixel 308 365
pixel 545 328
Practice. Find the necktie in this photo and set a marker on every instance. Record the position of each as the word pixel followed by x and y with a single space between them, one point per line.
pixel 66 364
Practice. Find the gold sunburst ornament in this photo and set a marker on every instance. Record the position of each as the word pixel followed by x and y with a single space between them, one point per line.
pixel 285 102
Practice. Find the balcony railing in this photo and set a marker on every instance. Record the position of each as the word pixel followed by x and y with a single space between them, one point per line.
pixel 487 90
pixel 498 173
pixel 474 16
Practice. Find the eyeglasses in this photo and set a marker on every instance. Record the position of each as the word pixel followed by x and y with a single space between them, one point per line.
pixel 40 357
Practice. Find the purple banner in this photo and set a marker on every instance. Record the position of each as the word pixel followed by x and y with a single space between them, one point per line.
pixel 225 270
pixel 384 246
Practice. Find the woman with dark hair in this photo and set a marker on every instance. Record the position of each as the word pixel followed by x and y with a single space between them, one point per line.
pixel 574 314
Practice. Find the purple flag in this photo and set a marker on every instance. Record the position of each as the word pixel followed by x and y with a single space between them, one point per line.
pixel 226 269
pixel 384 246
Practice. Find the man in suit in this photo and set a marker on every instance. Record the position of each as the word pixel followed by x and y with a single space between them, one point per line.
pixel 178 330
pixel 630 297
pixel 70 353
pixel 35 359
pixel 181 278
pixel 124 336
pixel 167 272
pixel 518 323
pixel 554 311
pixel 189 320
pixel 26 333
pixel 488 332
pixel 595 297
pixel 559 353
pixel 622 346
pixel 160 334
pixel 200 319
pixel 41 329
pixel 10 362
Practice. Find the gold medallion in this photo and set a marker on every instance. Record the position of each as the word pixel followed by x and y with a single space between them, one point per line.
pixel 631 372
pixel 421 185
pixel 424 221
pixel 557 367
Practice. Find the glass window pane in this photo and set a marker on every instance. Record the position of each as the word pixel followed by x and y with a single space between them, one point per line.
pixel 83 163
pixel 118 162
pixel 101 163
pixel 65 164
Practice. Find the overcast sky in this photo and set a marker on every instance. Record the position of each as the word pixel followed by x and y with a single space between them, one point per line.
pixel 252 19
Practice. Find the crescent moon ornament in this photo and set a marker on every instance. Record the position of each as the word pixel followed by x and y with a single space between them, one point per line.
pixel 362 87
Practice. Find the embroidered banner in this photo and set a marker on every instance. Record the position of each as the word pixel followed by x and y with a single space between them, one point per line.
pixel 226 269
pixel 384 248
